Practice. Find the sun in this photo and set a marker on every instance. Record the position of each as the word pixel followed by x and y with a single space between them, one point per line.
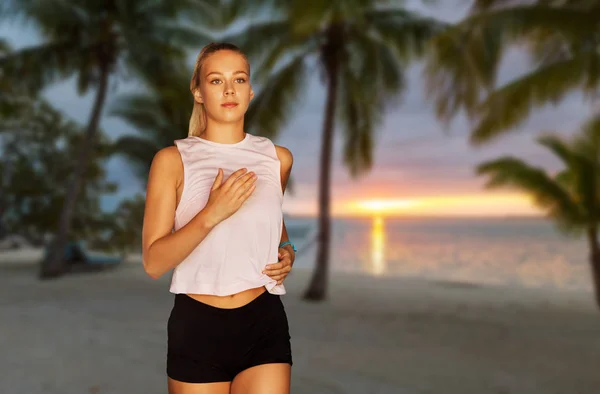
pixel 382 206
pixel 449 205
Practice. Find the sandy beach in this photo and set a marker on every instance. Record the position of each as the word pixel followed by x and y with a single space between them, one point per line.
pixel 106 333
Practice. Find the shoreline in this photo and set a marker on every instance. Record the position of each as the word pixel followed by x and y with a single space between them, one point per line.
pixel 30 257
pixel 25 258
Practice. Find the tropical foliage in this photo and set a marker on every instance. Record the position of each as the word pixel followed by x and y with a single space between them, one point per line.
pixel 125 233
pixel 97 42
pixel 36 154
pixel 570 198
pixel 463 64
pixel 160 115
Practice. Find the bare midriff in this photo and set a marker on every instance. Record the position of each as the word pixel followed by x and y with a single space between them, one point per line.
pixel 231 301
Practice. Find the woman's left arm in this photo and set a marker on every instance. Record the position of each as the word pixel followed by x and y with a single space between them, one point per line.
pixel 279 271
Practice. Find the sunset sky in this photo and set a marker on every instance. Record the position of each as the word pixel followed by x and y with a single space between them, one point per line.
pixel 419 169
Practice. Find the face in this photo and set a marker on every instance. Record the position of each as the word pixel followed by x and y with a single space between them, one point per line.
pixel 224 86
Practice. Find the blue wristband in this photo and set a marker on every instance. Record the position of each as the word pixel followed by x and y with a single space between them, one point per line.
pixel 288 243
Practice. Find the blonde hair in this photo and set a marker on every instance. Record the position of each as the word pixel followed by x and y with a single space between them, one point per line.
pixel 198 119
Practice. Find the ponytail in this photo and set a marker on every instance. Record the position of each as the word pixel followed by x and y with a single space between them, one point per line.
pixel 197 120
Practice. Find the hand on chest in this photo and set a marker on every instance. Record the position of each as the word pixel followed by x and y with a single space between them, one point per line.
pixel 268 184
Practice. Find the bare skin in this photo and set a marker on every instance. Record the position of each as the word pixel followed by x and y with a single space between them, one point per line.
pixel 163 249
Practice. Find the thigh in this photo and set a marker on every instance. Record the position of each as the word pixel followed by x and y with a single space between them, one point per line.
pixel 177 387
pixel 263 379
pixel 198 347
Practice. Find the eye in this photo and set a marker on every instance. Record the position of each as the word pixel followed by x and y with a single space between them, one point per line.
pixel 215 80
pixel 240 80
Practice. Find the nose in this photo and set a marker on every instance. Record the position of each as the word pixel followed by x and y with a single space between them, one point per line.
pixel 229 90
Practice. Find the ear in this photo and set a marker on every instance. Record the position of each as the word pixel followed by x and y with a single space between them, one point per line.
pixel 251 94
pixel 198 96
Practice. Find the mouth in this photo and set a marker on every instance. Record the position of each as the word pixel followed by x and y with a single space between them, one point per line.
pixel 229 105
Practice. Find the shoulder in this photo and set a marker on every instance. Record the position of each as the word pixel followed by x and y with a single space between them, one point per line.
pixel 285 156
pixel 167 156
pixel 167 162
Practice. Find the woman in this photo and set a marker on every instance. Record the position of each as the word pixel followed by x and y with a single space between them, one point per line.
pixel 221 190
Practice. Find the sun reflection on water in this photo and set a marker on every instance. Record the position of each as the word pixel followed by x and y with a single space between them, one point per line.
pixel 378 263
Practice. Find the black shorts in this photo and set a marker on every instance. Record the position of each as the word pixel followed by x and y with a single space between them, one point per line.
pixel 209 344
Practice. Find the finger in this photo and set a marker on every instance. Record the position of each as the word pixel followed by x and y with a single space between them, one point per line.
pixel 233 177
pixel 273 272
pixel 277 277
pixel 218 180
pixel 284 270
pixel 247 193
pixel 274 266
pixel 243 184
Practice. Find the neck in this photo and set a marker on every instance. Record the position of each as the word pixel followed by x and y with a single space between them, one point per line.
pixel 228 133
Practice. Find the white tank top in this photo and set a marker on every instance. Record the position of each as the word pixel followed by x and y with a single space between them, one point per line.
pixel 230 259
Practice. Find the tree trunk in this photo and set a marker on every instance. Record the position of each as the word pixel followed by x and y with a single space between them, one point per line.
pixel 595 262
pixel 54 265
pixel 317 289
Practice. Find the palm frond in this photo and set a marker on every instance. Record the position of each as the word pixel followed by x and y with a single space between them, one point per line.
pixel 138 151
pixel 508 106
pixel 36 67
pixel 461 65
pixel 160 116
pixel 559 147
pixel 358 115
pixel 408 33
pixel 463 61
pixel 162 51
pixel 286 49
pixel 581 168
pixel 485 5
pixel 586 147
pixel 521 20
pixel 140 111
pixel 548 194
pixel 548 47
pixel 369 56
pixel 587 142
pixel 308 16
pixel 271 107
pixel 54 18
pixel 203 13
pixel 259 40
pixel 236 9
pixel 185 36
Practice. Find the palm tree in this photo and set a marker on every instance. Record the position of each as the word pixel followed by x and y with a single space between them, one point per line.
pixel 160 115
pixel 96 42
pixel 570 198
pixel 37 147
pixel 562 38
pixel 360 50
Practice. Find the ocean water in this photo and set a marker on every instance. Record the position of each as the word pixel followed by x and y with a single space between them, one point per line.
pixel 526 252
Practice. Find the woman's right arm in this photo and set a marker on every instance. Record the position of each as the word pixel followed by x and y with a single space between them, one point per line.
pixel 162 249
